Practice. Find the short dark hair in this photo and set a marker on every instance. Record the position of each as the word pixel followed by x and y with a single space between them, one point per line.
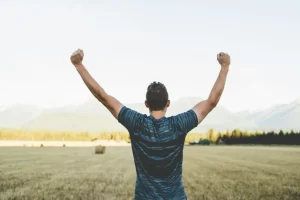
pixel 157 96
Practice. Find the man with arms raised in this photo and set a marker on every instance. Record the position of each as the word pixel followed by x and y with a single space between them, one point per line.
pixel 157 141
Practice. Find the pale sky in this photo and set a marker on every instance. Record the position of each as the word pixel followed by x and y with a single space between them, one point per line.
pixel 129 44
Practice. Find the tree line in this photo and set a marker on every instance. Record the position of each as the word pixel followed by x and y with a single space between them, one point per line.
pixel 18 134
pixel 235 136
pixel 270 137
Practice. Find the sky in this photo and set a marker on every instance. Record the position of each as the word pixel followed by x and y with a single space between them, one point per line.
pixel 129 44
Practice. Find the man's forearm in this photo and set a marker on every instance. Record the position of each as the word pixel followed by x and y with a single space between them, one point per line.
pixel 218 87
pixel 111 103
pixel 92 85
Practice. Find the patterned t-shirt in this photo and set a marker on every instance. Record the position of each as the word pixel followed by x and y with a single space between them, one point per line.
pixel 157 147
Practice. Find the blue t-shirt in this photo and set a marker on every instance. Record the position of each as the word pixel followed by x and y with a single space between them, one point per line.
pixel 157 147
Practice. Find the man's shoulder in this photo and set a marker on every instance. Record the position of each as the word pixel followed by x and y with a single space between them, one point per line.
pixel 183 115
pixel 185 121
pixel 131 119
pixel 130 114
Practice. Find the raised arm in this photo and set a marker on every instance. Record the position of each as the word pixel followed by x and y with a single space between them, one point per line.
pixel 203 108
pixel 112 104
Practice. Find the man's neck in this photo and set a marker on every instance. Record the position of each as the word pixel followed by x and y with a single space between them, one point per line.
pixel 158 114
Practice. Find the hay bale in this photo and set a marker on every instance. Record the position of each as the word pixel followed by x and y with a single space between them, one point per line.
pixel 99 149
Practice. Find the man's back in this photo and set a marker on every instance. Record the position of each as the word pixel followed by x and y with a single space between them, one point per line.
pixel 157 146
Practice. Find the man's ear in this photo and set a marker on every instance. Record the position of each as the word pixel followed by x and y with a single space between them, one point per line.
pixel 146 104
pixel 168 103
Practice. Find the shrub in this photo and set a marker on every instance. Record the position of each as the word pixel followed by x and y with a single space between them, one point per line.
pixel 42 145
pixel 94 139
pixel 204 142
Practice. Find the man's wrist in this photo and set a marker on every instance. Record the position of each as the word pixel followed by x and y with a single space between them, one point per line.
pixel 79 67
pixel 225 68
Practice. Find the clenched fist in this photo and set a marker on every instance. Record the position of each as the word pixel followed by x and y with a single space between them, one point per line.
pixel 77 57
pixel 224 59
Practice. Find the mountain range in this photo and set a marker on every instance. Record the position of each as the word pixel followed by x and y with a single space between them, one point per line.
pixel 92 116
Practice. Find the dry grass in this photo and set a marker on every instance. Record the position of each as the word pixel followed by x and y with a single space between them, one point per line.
pixel 227 173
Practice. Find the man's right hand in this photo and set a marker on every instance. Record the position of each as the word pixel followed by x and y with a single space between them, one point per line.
pixel 77 57
pixel 224 59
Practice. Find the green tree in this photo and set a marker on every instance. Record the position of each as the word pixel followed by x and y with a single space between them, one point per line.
pixel 210 134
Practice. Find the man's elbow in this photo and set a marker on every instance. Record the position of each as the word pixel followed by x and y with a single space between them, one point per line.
pixel 101 96
pixel 212 103
pixel 107 100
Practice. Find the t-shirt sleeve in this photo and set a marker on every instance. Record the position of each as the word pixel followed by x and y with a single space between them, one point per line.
pixel 129 118
pixel 187 121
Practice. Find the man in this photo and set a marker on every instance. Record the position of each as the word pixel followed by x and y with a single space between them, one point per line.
pixel 157 141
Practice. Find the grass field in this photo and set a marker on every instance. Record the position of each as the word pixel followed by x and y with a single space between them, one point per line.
pixel 208 173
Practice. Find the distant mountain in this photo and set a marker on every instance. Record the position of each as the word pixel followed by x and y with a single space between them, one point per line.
pixel 93 116
pixel 16 115
pixel 74 122
pixel 285 116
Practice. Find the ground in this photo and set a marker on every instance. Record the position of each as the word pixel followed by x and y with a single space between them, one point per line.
pixel 225 173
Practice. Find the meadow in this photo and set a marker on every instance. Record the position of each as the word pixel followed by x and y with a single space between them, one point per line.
pixel 209 173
